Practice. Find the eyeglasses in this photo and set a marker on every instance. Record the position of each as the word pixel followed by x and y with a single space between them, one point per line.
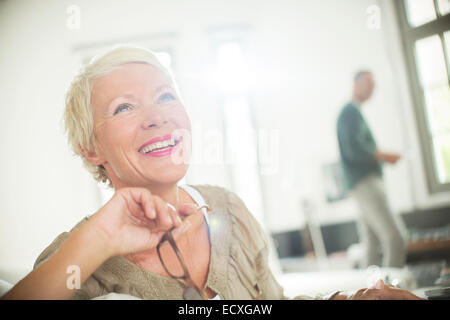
pixel 192 291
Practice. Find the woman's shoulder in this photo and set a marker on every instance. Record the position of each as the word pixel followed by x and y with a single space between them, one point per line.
pixel 246 229
pixel 222 199
pixel 212 194
pixel 217 194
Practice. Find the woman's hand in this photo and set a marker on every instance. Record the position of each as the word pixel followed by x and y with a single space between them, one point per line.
pixel 135 220
pixel 379 291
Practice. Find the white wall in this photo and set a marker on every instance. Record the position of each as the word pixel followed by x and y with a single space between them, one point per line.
pixel 302 53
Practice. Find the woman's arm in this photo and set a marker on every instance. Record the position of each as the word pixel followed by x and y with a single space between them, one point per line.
pixel 132 221
pixel 86 249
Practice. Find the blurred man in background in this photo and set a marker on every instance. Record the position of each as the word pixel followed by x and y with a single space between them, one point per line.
pixel 362 166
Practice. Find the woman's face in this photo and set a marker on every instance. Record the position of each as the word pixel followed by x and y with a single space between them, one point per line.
pixel 142 130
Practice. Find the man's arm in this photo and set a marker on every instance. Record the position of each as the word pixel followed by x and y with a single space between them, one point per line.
pixel 353 146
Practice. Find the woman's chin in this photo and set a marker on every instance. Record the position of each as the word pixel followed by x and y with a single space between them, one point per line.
pixel 172 175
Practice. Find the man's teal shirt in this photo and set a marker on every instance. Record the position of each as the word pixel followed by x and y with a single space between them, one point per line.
pixel 356 145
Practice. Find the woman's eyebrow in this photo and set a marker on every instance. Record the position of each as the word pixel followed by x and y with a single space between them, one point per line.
pixel 132 96
pixel 126 95
pixel 162 87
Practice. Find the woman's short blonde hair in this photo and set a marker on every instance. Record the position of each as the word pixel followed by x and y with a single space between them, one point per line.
pixel 78 114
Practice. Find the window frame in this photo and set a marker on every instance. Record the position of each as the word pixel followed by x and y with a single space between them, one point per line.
pixel 409 36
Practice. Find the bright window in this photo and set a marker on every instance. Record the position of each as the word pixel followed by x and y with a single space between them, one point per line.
pixel 420 12
pixel 443 7
pixel 426 35
pixel 232 78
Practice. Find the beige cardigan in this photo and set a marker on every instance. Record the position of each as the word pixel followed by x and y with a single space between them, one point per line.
pixel 238 264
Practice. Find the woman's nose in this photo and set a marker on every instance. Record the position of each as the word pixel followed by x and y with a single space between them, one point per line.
pixel 154 117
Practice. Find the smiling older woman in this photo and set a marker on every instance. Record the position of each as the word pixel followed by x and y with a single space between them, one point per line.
pixel 153 239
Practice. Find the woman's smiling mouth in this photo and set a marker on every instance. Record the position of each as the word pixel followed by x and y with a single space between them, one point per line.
pixel 160 146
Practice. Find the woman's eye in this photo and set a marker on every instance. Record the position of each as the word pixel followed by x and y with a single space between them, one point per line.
pixel 122 108
pixel 166 97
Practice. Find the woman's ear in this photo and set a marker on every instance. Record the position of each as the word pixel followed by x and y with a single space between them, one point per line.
pixel 92 157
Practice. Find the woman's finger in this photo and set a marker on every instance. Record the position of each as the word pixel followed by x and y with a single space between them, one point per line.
pixel 174 215
pixel 143 198
pixel 132 199
pixel 162 212
pixel 148 204
pixel 184 226
pixel 155 238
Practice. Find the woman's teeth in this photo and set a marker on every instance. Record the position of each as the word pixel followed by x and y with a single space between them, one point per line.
pixel 159 145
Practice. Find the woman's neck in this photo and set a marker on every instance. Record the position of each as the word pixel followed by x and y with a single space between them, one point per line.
pixel 169 194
